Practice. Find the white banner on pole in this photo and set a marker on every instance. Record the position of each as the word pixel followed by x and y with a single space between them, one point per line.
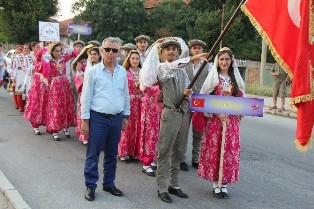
pixel 49 31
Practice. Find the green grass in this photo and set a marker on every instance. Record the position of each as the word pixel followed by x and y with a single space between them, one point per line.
pixel 262 90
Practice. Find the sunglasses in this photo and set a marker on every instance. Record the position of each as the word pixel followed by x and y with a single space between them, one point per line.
pixel 111 49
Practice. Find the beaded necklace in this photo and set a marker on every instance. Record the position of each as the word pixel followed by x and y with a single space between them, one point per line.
pixel 136 76
pixel 227 86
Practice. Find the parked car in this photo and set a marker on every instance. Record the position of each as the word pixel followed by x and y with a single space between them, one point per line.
pixel 8 68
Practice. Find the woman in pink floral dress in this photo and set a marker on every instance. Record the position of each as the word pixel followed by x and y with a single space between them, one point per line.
pixel 128 145
pixel 150 112
pixel 35 110
pixel 60 104
pixel 223 80
pixel 88 57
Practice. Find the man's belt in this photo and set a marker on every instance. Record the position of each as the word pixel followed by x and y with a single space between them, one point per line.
pixel 108 116
pixel 174 109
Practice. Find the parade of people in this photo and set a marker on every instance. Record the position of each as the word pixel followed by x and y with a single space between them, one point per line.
pixel 152 108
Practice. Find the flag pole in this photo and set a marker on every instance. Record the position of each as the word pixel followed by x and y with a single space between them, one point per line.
pixel 211 52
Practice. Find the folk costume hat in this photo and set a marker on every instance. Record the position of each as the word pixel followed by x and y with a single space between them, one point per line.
pixel 83 54
pixel 141 37
pixel 128 46
pixel 79 42
pixel 95 43
pixel 19 47
pixel 52 46
pixel 170 41
pixel 212 79
pixel 194 42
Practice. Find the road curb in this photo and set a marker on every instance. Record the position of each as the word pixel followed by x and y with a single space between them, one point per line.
pixel 14 197
pixel 283 113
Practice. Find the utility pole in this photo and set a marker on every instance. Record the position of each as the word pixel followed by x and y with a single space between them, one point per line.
pixel 263 63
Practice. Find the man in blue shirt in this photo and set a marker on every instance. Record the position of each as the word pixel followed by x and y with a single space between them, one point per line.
pixel 105 109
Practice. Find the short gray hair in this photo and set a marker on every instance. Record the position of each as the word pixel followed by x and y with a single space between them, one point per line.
pixel 109 39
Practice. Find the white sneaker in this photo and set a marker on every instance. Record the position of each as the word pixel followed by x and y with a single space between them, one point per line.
pixel 85 142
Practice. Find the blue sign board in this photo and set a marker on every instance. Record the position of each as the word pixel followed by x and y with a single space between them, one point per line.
pixel 79 29
pixel 227 105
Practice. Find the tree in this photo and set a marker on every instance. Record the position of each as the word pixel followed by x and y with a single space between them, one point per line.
pixel 19 19
pixel 209 5
pixel 124 18
pixel 241 37
pixel 170 18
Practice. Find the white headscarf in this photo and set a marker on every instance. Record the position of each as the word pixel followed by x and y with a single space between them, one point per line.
pixel 212 79
pixel 148 73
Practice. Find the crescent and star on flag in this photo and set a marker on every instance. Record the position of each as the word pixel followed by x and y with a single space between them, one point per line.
pixel 294 11
pixel 196 102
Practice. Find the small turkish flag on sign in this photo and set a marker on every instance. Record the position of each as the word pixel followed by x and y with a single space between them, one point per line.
pixel 198 102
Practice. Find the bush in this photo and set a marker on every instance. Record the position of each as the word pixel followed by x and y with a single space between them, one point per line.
pixel 262 90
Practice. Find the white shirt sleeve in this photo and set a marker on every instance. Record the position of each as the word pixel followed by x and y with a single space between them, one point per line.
pixel 87 93
pixel 167 70
pixel 184 48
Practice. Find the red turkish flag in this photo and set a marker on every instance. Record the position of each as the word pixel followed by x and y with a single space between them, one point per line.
pixel 198 102
pixel 287 26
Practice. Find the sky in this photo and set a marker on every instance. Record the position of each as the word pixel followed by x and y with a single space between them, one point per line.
pixel 65 9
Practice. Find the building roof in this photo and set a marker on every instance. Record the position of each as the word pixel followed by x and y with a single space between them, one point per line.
pixel 64 26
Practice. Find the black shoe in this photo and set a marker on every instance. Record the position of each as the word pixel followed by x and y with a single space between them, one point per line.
pixel 154 167
pixel 177 192
pixel 195 165
pixel 225 195
pixel 184 166
pixel 90 194
pixel 165 197
pixel 36 131
pixel 133 159
pixel 149 173
pixel 217 195
pixel 113 190
pixel 56 137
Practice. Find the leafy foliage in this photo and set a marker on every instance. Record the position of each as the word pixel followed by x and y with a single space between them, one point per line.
pixel 241 36
pixel 171 18
pixel 19 19
pixel 123 18
pixel 209 5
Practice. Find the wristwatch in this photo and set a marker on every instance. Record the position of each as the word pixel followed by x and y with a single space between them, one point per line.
pixel 126 117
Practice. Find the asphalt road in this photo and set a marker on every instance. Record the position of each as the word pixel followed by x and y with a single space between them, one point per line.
pixel 49 174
